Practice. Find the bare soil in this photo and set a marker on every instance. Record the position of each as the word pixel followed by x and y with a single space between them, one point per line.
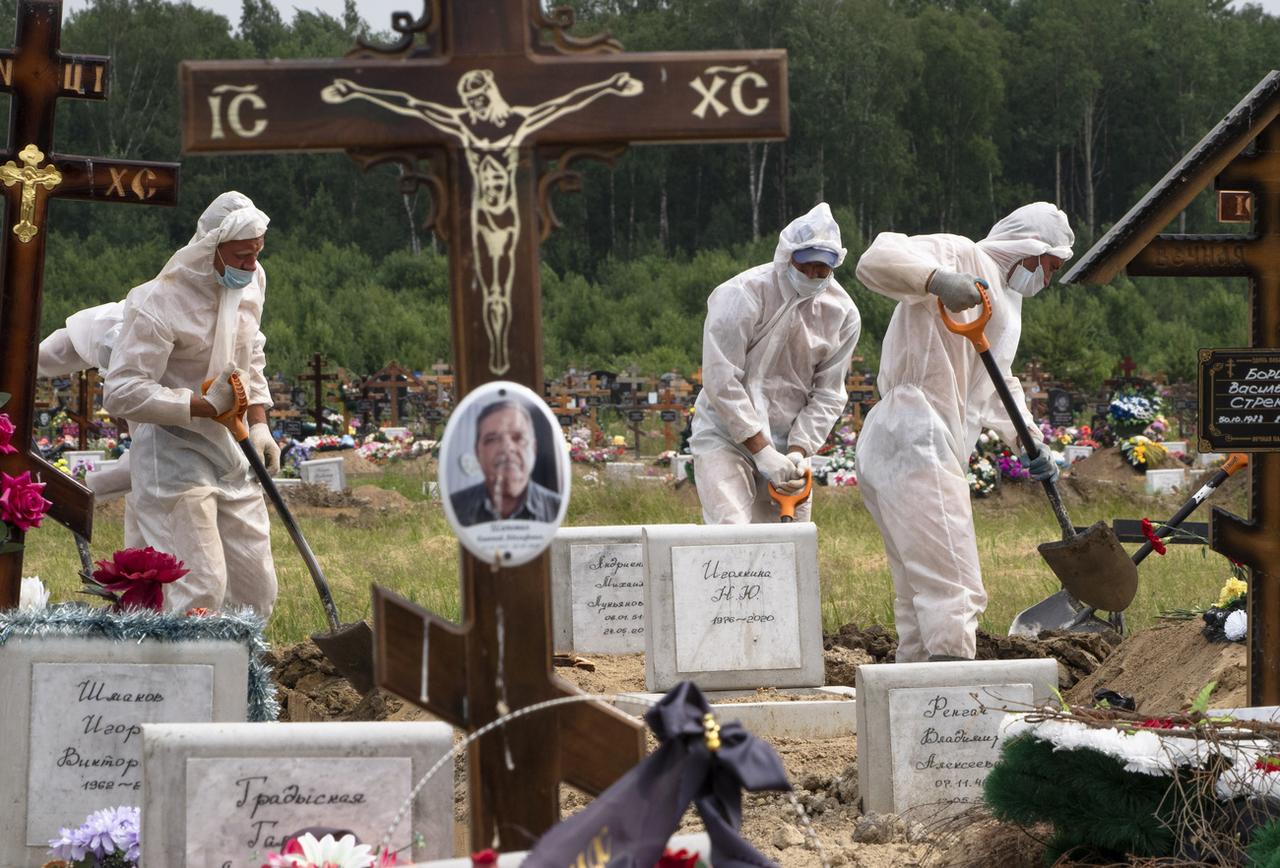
pixel 1164 668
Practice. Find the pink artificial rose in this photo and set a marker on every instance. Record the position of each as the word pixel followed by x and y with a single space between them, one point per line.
pixel 139 573
pixel 21 503
pixel 6 435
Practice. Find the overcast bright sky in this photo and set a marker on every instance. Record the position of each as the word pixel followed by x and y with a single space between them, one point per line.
pixel 378 12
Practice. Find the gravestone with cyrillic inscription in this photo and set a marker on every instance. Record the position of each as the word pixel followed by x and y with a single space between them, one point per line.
pixel 732 607
pixel 329 472
pixel 597 590
pixel 927 732
pixel 224 795
pixel 74 710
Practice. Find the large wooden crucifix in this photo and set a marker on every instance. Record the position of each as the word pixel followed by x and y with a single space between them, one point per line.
pixel 491 95
pixel 1223 157
pixel 36 74
pixel 318 377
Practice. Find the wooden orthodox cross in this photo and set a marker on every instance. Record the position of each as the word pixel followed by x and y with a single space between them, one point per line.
pixel 1222 157
pixel 318 377
pixel 86 388
pixel 491 94
pixel 36 74
pixel 391 382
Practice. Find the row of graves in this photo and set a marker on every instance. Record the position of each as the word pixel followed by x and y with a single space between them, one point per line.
pixel 156 726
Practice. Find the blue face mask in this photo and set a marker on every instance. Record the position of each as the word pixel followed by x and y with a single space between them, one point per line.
pixel 232 277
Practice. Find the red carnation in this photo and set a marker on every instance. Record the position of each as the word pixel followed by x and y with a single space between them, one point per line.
pixel 21 503
pixel 1267 764
pixel 6 435
pixel 484 857
pixel 677 859
pixel 1157 723
pixel 139 573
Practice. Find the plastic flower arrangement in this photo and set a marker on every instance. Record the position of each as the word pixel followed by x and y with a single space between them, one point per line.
pixel 137 575
pixel 107 839
pixel 581 450
pixel 982 475
pixel 1142 453
pixel 1157 429
pixel 305 851
pixel 1131 411
pixel 665 459
pixel 1228 619
pixel 1011 466
pixel 840 450
pixel 33 596
pixel 22 507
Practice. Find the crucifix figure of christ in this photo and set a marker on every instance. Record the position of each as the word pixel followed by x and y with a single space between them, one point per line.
pixel 1223 158
pixel 36 73
pixel 491 133
pixel 489 103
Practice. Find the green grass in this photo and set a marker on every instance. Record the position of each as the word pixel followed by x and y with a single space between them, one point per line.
pixel 413 552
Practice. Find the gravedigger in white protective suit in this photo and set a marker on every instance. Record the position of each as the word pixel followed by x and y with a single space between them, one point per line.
pixel 936 396
pixel 776 347
pixel 85 342
pixel 193 494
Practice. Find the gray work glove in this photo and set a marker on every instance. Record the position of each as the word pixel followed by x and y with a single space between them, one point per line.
pixel 1043 466
pixel 220 394
pixel 774 466
pixel 265 445
pixel 956 289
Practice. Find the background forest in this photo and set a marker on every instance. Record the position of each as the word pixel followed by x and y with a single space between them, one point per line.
pixel 906 115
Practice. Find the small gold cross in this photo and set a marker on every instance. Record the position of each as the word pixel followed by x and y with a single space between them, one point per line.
pixel 29 176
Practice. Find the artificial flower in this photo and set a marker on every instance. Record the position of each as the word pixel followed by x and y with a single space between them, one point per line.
pixel 33 595
pixel 113 831
pixel 6 435
pixel 1236 626
pixel 483 858
pixel 139 574
pixel 677 859
pixel 21 502
pixel 329 853
pixel 1148 530
pixel 1267 764
pixel 1233 589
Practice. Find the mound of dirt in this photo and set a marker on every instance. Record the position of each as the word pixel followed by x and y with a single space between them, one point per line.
pixel 380 499
pixel 356 465
pixel 310 689
pixel 1107 467
pixel 1163 668
pixel 1078 654
pixel 321 496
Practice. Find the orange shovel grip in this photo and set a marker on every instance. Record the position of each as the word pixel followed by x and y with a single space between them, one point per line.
pixel 973 331
pixel 787 503
pixel 1236 461
pixel 233 419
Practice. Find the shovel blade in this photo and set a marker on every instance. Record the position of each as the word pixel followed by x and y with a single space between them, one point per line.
pixel 1094 568
pixel 350 650
pixel 1058 611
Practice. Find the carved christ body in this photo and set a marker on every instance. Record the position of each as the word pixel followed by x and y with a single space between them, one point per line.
pixel 491 132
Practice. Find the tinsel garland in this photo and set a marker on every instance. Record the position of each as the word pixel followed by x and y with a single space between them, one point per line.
pixel 140 625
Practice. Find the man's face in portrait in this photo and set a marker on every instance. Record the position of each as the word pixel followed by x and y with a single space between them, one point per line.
pixel 505 449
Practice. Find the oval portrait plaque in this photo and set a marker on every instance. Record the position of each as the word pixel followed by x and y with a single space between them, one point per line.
pixel 504 473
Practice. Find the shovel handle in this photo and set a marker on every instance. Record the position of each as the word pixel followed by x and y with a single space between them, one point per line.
pixel 787 503
pixel 233 419
pixel 971 331
pixel 1236 461
pixel 974 333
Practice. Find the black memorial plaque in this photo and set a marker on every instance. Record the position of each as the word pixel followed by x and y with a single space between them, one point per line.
pixel 1239 400
pixel 1060 413
pixel 670 416
pixel 636 415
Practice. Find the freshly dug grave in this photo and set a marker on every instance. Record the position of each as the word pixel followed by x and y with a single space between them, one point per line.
pixel 1078 654
pixel 1164 667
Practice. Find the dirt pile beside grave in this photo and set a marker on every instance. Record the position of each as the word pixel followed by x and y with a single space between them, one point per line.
pixel 1164 667
pixel 1078 654
pixel 353 463
pixel 318 496
pixel 379 499
pixel 310 689
pixel 1107 468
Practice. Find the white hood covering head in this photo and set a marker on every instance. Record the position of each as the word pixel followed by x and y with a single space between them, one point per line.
pixel 1031 230
pixel 815 229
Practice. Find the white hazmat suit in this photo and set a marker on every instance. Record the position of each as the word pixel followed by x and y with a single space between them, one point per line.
pixel 936 397
pixel 85 342
pixel 193 494
pixel 774 359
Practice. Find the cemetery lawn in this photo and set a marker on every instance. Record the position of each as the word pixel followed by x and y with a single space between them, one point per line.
pixel 403 542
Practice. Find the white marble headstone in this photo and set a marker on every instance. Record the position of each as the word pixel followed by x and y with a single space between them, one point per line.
pixel 92 457
pixel 1176 448
pixel 732 607
pixel 927 731
pixel 224 795
pixel 72 713
pixel 597 589
pixel 1077 453
pixel 623 471
pixel 1162 481
pixel 329 472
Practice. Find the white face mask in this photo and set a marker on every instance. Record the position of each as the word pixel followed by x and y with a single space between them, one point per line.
pixel 806 285
pixel 1026 283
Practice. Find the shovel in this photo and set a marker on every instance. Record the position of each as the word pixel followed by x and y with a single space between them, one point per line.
pixel 1235 462
pixel 787 503
pixel 1093 567
pixel 349 647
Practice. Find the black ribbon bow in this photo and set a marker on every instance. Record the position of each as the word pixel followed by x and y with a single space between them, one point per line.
pixel 629 824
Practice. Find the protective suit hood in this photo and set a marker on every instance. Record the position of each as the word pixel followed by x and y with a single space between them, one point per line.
pixel 1031 230
pixel 815 229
